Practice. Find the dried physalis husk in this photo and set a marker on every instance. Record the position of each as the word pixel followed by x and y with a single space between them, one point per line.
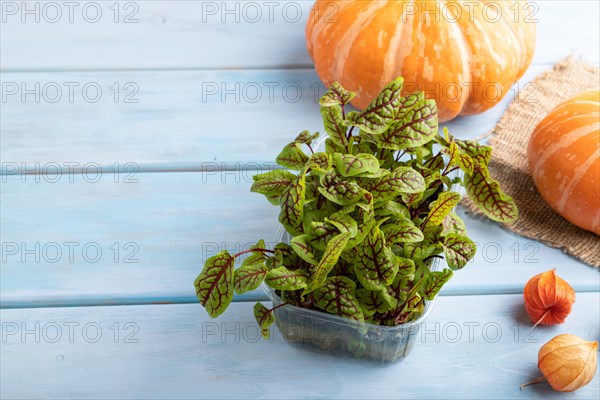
pixel 567 362
pixel 548 298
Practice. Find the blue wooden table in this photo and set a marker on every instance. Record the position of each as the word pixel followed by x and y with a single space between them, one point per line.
pixel 130 132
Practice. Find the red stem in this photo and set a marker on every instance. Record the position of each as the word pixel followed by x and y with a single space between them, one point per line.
pixel 276 307
pixel 253 250
pixel 447 172
pixel 350 134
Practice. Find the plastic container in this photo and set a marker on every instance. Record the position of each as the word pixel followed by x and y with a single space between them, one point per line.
pixel 332 334
pixel 340 336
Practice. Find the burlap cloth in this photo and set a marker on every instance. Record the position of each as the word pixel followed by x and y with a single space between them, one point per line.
pixel 508 165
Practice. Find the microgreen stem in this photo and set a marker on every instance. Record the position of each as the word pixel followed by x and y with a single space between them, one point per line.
pixel 434 256
pixel 538 380
pixel 431 159
pixel 350 133
pixel 412 294
pixel 253 250
pixel 276 307
pixel 320 202
pixel 447 172
pixel 382 153
pixel 399 155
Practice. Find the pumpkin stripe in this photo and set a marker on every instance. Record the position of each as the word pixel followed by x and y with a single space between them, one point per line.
pixel 364 58
pixel 579 173
pixel 507 18
pixel 566 141
pixel 557 124
pixel 349 38
pixel 313 29
pixel 466 57
pixel 589 102
pixel 395 54
pixel 332 29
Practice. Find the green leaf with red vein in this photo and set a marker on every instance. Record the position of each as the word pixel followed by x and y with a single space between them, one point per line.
pixel 399 288
pixel 436 164
pixel 486 194
pixel 458 250
pixel 282 251
pixel 305 137
pixel 435 281
pixel 214 285
pixel 336 296
pixel 420 251
pixel 333 147
pixel 301 246
pixel 312 185
pixel 292 206
pixel 392 208
pixel 336 95
pixel 285 255
pixel 265 319
pixel 292 157
pixel 479 153
pixel 459 158
pixel 375 301
pixel 378 115
pixel 283 279
pixel 453 224
pixel 333 121
pixel 320 161
pixel 321 233
pixel 415 124
pixel 412 302
pixel 355 164
pixel 344 223
pixel 340 191
pixel 439 209
pixel 406 268
pixel 272 184
pixel 330 257
pixel 250 274
pixel 363 230
pixel 402 230
pixel 401 180
pixel 375 266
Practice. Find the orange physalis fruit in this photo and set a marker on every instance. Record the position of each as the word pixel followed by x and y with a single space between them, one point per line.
pixel 567 363
pixel 548 298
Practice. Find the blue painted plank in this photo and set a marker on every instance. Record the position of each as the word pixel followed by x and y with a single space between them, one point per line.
pixel 157 35
pixel 154 235
pixel 216 34
pixel 114 242
pixel 184 120
pixel 470 347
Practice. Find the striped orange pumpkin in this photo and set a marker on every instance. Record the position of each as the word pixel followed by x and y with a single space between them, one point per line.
pixel 564 160
pixel 465 55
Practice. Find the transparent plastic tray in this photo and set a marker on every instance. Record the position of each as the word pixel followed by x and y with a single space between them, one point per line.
pixel 332 334
pixel 341 336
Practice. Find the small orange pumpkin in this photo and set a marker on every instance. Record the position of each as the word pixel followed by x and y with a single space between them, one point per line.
pixel 564 160
pixel 465 55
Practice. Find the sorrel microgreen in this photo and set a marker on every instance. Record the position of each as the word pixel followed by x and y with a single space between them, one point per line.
pixel 367 215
